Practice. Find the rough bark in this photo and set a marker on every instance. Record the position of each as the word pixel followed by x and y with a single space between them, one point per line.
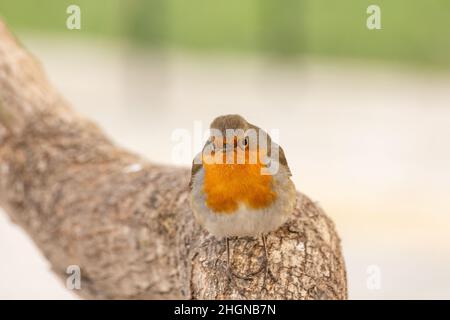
pixel 127 222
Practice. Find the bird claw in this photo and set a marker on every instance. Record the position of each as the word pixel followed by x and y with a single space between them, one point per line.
pixel 232 274
pixel 264 267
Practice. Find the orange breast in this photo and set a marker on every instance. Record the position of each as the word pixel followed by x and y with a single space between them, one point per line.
pixel 228 185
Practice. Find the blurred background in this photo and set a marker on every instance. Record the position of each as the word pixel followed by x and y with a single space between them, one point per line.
pixel 364 115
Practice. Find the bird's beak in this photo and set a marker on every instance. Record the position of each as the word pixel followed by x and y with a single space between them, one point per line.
pixel 232 142
pixel 223 144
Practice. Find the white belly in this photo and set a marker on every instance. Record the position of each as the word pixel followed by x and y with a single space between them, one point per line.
pixel 243 222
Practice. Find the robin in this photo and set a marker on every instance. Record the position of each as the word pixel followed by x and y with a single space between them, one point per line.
pixel 240 183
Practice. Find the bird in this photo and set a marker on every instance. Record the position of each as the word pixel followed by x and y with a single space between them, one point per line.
pixel 241 184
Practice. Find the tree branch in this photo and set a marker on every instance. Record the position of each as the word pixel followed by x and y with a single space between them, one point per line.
pixel 127 222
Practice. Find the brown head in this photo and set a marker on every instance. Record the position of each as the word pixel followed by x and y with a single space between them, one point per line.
pixel 231 122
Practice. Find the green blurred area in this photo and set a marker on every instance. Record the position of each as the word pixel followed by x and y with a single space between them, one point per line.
pixel 413 31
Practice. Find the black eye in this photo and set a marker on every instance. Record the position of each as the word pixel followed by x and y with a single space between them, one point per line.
pixel 243 143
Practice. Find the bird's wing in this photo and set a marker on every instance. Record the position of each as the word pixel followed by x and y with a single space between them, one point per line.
pixel 282 160
pixel 195 168
pixel 281 157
